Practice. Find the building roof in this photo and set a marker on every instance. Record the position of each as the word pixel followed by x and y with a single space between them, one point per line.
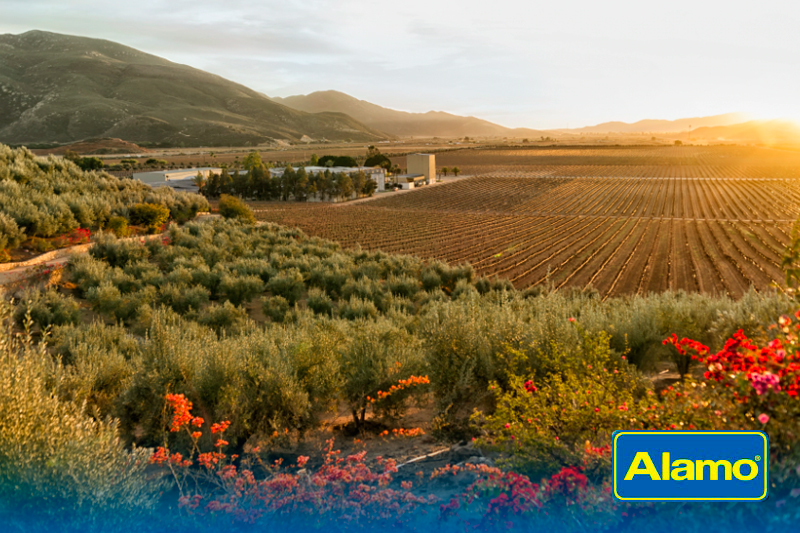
pixel 160 176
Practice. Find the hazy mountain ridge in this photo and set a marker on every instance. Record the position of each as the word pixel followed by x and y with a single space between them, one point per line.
pixel 663 126
pixel 60 88
pixel 401 123
pixel 761 131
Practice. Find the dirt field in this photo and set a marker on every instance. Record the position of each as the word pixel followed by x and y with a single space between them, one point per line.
pixel 622 220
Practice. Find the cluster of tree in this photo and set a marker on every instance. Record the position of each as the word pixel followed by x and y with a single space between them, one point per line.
pixel 84 163
pixel 256 182
pixel 335 161
pixel 455 170
pixel 44 197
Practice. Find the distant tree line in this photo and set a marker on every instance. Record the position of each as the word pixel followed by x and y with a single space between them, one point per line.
pixel 256 182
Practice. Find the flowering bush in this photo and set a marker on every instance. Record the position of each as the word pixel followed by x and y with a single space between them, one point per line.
pixel 342 491
pixel 508 500
pixel 543 425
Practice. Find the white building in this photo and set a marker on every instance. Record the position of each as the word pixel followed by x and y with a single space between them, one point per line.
pixel 424 164
pixel 179 179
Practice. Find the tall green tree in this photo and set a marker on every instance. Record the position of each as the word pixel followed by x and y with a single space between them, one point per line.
pixel 225 182
pixel 252 160
pixel 345 185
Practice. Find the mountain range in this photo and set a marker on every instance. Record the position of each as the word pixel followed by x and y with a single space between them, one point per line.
pixel 401 123
pixel 664 126
pixel 61 88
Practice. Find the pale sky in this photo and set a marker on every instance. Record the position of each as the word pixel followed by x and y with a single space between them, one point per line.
pixel 520 63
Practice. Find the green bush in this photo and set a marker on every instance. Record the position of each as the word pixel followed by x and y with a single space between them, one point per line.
pixel 288 284
pixel 232 207
pixel 224 318
pixel 182 299
pixel 118 253
pixel 319 302
pixel 151 216
pixel 276 308
pixel 543 422
pixel 10 234
pixel 56 462
pixel 241 289
pixel 47 308
pixel 355 308
pixel 118 226
pixel 378 355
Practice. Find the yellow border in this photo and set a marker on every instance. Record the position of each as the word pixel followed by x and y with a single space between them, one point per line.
pixel 651 432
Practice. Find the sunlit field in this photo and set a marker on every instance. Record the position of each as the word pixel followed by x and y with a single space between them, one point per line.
pixel 629 220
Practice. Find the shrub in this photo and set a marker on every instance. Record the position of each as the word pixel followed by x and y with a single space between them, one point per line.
pixel 378 356
pixel 151 216
pixel 431 280
pixel 356 308
pixel 10 234
pixel 57 463
pixel 288 284
pixel 232 207
pixel 118 253
pixel 47 308
pixel 276 308
pixel 405 286
pixel 182 299
pixel 118 226
pixel 240 289
pixel 319 302
pixel 224 318
pixel 542 422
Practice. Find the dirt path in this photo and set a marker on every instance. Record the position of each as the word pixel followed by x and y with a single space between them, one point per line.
pixel 15 272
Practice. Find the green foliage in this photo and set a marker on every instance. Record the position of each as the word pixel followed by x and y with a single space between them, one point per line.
pixel 356 308
pixel 52 196
pixel 225 318
pixel 544 420
pixel 319 302
pixel 55 461
pixel 10 235
pixel 288 284
pixel 151 216
pixel 118 226
pixel 276 308
pixel 378 160
pixel 116 252
pixel 240 289
pixel 47 308
pixel 232 207
pixel 337 161
pixel 378 355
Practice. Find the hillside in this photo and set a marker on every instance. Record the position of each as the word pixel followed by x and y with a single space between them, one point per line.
pixel 663 126
pixel 60 88
pixel 401 123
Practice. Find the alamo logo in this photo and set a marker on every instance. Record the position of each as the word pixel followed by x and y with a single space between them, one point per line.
pixel 690 465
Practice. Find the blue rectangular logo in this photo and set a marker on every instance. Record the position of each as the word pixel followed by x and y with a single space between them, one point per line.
pixel 690 465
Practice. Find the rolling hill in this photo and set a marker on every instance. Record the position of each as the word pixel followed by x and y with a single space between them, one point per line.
pixel 401 123
pixel 663 126
pixel 60 88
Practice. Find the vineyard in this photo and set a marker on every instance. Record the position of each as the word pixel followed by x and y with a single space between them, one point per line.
pixel 704 219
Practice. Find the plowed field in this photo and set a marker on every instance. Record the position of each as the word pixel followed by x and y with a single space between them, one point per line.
pixel 623 220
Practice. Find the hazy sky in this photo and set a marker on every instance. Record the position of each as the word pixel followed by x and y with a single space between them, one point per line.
pixel 539 64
